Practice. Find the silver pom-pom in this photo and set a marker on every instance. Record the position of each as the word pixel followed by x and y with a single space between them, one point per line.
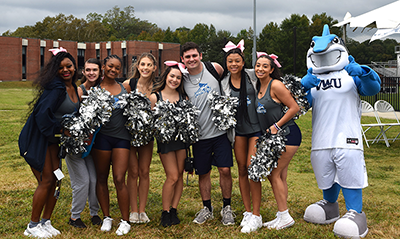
pixel 269 148
pixel 140 118
pixel 95 111
pixel 293 84
pixel 187 128
pixel 176 121
pixel 223 109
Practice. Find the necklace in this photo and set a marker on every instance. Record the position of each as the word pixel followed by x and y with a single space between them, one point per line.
pixel 197 80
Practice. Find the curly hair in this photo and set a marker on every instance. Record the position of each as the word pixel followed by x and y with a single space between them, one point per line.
pixel 47 75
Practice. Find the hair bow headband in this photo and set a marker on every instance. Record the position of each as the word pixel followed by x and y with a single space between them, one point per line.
pixel 56 51
pixel 273 56
pixel 230 45
pixel 180 66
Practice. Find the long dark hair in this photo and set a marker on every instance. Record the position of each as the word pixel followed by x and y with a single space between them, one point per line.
pixel 97 62
pixel 47 75
pixel 276 74
pixel 242 109
pixel 159 85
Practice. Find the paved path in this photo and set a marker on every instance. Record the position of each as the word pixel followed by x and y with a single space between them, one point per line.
pixel 387 115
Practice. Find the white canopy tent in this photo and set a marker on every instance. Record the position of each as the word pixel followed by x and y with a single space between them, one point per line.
pixel 386 19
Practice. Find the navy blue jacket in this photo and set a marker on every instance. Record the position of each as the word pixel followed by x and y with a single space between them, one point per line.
pixel 42 124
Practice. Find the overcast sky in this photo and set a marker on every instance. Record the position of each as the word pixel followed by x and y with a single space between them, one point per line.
pixel 231 15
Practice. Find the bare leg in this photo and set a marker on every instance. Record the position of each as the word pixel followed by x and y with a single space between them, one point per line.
pixel 44 193
pixel 241 155
pixel 278 177
pixel 102 161
pixel 120 157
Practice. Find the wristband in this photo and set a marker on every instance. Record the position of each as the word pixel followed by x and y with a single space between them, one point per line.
pixel 277 127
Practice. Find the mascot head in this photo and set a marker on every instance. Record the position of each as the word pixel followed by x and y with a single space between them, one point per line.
pixel 327 53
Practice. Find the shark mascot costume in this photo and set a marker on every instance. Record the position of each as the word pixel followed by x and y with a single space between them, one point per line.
pixel 334 81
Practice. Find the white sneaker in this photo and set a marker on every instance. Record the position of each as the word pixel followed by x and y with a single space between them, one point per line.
pixel 107 224
pixel 246 217
pixel 282 221
pixel 270 223
pixel 123 228
pixel 37 231
pixel 252 224
pixel 134 217
pixel 50 229
pixel 143 218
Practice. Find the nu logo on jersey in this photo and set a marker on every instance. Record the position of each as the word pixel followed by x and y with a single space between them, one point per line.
pixel 329 83
pixel 248 101
pixel 261 109
pixel 203 89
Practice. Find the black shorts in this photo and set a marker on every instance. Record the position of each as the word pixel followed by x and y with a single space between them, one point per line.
pixel 294 137
pixel 107 143
pixel 215 151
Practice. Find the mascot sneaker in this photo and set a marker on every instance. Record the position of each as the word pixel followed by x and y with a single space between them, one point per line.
pixel 322 212
pixel 351 225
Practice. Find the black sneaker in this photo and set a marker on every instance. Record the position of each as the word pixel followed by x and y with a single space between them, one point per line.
pixel 165 219
pixel 174 216
pixel 96 220
pixel 77 223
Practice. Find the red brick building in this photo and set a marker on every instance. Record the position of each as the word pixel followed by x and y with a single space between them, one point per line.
pixel 24 57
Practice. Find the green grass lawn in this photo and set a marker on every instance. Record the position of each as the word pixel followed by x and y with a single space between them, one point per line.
pixel 381 197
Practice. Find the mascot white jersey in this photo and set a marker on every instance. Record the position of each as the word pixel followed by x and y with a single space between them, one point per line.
pixel 334 81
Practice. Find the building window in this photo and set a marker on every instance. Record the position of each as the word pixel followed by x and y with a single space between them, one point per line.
pixel 81 58
pixel 98 54
pixel 23 62
pixel 41 57
pixel 108 52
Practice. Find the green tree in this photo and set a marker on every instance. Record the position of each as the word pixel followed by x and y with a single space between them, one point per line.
pixel 294 42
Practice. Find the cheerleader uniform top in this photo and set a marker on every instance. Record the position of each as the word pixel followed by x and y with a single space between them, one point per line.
pixel 270 112
pixel 173 145
pixel 244 126
pixel 115 127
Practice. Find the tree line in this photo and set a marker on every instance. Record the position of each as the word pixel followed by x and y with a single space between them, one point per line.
pixel 289 40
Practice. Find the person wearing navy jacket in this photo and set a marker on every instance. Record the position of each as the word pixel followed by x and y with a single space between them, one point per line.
pixel 56 95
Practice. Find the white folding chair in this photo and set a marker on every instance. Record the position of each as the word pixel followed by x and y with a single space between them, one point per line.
pixel 382 106
pixel 367 108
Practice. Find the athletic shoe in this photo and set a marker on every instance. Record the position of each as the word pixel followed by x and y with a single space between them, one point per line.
pixel 37 231
pixel 143 218
pixel 322 212
pixel 134 217
pixel 77 223
pixel 272 222
pixel 246 217
pixel 253 223
pixel 228 217
pixel 174 216
pixel 203 215
pixel 282 221
pixel 107 224
pixel 165 219
pixel 123 228
pixel 351 225
pixel 96 220
pixel 50 229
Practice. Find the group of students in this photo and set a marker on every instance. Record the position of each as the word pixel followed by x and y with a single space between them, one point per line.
pixel 261 98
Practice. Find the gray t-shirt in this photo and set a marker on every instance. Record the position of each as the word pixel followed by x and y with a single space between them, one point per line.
pixel 197 87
